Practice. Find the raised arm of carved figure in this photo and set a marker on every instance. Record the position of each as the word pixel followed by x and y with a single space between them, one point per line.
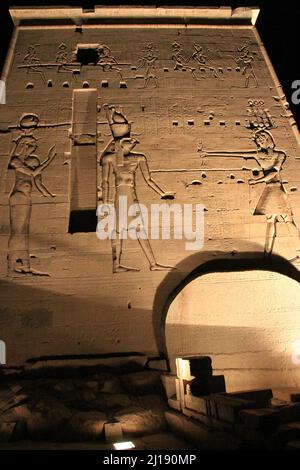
pixel 51 155
pixel 143 164
pixel 246 154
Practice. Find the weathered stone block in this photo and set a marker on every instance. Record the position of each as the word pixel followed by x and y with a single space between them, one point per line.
pixel 199 434
pixel 226 408
pixel 261 397
pixel 174 403
pixel 169 384
pixel 198 404
pixel 259 418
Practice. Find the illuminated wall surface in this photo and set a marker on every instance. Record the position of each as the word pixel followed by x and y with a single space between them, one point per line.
pixel 198 92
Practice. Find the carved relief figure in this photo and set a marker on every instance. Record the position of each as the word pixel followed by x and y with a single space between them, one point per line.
pixel 32 62
pixel 28 174
pixel 148 61
pixel 246 61
pixel 64 59
pixel 273 202
pixel 119 168
pixel 106 60
pixel 203 61
pixel 181 60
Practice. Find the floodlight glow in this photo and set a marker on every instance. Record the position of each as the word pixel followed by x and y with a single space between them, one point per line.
pixel 124 445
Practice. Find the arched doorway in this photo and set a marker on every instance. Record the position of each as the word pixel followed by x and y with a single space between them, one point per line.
pixel 244 312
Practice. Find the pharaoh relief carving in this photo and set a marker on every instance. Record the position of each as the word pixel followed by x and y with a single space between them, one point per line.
pixel 245 60
pixel 273 202
pixel 148 62
pixel 120 164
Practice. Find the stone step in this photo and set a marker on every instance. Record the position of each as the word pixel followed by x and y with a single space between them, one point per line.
pixel 198 434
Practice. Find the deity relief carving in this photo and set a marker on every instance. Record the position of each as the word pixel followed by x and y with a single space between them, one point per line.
pixel 148 61
pixel 245 60
pixel 28 171
pixel 32 62
pixel 120 164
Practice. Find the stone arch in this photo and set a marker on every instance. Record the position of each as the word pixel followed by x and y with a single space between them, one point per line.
pixel 208 262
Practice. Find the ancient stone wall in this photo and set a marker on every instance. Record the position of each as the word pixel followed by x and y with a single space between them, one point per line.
pixel 210 120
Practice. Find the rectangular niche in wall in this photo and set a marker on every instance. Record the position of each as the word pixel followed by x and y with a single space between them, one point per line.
pixel 83 198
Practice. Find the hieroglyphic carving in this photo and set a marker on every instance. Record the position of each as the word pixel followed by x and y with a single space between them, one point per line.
pixel 147 61
pixel 245 59
pixel 28 174
pixel 274 201
pixel 259 116
pixel 119 168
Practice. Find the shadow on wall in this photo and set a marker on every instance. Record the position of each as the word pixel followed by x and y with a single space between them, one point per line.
pixel 39 321
pixel 237 348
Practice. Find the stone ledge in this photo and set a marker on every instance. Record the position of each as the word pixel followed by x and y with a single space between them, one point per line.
pixel 133 15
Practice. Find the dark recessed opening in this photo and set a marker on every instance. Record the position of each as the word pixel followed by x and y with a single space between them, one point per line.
pixel 87 56
pixel 83 221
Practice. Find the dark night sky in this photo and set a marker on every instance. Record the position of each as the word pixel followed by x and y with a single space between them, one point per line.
pixel 278 26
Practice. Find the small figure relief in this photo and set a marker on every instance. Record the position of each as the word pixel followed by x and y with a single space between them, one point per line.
pixel 245 60
pixel 106 59
pixel 273 202
pixel 181 60
pixel 65 59
pixel 28 171
pixel 148 61
pixel 32 63
pixel 120 164
pixel 203 60
pixel 259 117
